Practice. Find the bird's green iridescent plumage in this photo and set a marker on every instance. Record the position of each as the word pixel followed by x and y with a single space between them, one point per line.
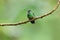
pixel 31 15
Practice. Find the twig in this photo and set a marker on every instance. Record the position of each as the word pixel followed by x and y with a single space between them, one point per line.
pixel 19 23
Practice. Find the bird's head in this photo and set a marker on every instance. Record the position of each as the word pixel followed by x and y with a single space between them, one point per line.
pixel 29 11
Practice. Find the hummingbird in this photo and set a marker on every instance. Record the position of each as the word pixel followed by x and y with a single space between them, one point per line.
pixel 30 16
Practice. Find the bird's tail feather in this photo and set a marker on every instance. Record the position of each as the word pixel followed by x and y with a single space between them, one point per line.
pixel 33 22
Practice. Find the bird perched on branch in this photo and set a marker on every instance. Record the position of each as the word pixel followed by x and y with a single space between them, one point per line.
pixel 30 16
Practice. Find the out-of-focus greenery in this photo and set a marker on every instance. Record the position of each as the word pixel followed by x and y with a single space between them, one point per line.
pixel 12 11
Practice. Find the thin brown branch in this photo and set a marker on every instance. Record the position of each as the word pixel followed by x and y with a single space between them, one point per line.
pixel 19 23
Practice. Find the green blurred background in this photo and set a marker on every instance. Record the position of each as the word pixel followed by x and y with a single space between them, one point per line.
pixel 12 11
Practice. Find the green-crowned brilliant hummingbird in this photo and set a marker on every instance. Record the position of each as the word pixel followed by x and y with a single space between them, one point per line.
pixel 30 16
